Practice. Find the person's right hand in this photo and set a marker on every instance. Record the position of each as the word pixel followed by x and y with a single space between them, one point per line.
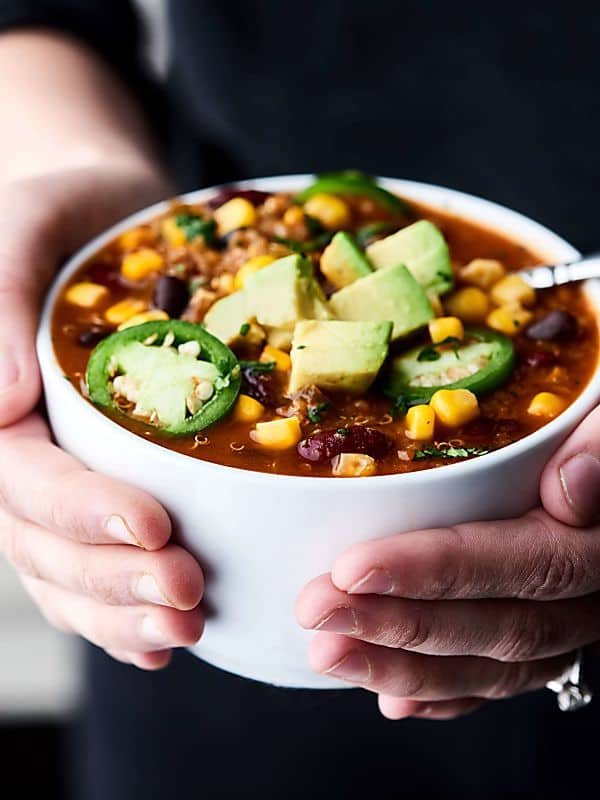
pixel 92 552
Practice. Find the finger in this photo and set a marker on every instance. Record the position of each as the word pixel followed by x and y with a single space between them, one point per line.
pixel 570 486
pixel 113 574
pixel 43 484
pixel 507 630
pixel 395 708
pixel 534 557
pixel 428 678
pixel 148 661
pixel 132 630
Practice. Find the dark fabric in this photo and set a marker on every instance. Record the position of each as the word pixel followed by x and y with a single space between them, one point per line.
pixel 497 99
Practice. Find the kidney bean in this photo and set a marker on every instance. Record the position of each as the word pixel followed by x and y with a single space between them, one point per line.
pixel 540 358
pixel 555 325
pixel 171 295
pixel 105 275
pixel 92 336
pixel 480 430
pixel 252 195
pixel 324 445
pixel 266 387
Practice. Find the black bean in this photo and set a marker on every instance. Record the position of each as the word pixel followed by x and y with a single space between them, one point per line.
pixel 252 195
pixel 171 294
pixel 92 336
pixel 105 275
pixel 266 387
pixel 323 446
pixel 555 325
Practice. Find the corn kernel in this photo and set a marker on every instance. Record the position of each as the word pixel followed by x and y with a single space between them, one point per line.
pixel 134 238
pixel 86 294
pixel 224 283
pixel 235 213
pixel 139 265
pixel 512 289
pixel 278 434
pixel 483 272
pixel 293 216
pixel 444 327
pixel 547 404
pixel 353 465
pixel 469 304
pixel 454 407
pixel 172 233
pixel 331 211
pixel 436 304
pixel 247 409
pixel 145 316
pixel 420 423
pixel 509 319
pixel 249 268
pixel 123 310
pixel 282 361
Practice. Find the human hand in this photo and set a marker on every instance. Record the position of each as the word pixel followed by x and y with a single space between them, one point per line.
pixel 438 621
pixel 93 553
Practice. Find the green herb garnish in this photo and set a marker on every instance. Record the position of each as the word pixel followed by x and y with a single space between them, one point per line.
pixel 449 452
pixel 314 412
pixel 305 247
pixel 343 431
pixel 403 402
pixel 193 226
pixel 258 366
pixel 430 353
pixel 244 329
pixel 301 347
pixel 197 283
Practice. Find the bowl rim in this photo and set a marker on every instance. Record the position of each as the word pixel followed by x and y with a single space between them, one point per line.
pixel 485 212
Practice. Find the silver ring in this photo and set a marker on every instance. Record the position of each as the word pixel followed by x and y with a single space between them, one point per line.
pixel 572 693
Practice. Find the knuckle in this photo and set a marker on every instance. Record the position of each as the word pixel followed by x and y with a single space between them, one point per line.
pixel 95 587
pixel 512 679
pixel 17 549
pixel 414 634
pixel 450 574
pixel 527 638
pixel 555 570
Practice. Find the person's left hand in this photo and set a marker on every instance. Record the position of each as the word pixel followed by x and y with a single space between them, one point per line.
pixel 438 621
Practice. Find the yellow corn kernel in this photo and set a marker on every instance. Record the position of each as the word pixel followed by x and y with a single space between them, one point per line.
pixel 278 434
pixel 247 409
pixel 509 319
pixel 172 233
pixel 469 304
pixel 145 316
pixel 443 327
pixel 331 211
pixel 138 265
pixel 436 304
pixel 224 283
pixel 86 294
pixel 547 404
pixel 282 361
pixel 235 213
pixel 454 407
pixel 483 272
pixel 249 268
pixel 134 238
pixel 512 289
pixel 420 423
pixel 353 465
pixel 293 216
pixel 123 310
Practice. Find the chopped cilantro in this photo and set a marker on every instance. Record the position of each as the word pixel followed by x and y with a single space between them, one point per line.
pixel 301 347
pixel 193 226
pixel 258 366
pixel 305 247
pixel 313 225
pixel 430 353
pixel 197 283
pixel 343 431
pixel 403 402
pixel 314 412
pixel 449 452
pixel 244 329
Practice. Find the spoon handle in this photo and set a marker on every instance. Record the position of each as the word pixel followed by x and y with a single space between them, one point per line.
pixel 557 274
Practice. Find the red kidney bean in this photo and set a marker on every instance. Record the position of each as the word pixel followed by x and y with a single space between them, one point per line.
pixel 324 445
pixel 555 325
pixel 252 195
pixel 92 336
pixel 540 358
pixel 480 429
pixel 105 275
pixel 171 294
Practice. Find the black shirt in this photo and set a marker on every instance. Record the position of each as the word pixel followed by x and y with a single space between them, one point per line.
pixel 496 99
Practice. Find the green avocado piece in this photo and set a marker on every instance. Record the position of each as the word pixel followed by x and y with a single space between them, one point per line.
pixel 225 317
pixel 423 249
pixel 338 355
pixel 343 261
pixel 390 293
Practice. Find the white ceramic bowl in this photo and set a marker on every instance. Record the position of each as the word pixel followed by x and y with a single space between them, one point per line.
pixel 262 537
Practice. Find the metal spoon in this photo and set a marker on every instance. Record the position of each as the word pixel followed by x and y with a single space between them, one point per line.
pixel 557 274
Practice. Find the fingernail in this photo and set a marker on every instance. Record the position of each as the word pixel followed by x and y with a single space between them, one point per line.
pixel 151 633
pixel 8 372
pixel 341 620
pixel 116 527
pixel 377 581
pixel 146 589
pixel 354 667
pixel 580 478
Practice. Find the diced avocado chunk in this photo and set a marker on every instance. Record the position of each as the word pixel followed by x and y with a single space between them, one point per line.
pixel 337 355
pixel 343 261
pixel 422 248
pixel 390 293
pixel 225 318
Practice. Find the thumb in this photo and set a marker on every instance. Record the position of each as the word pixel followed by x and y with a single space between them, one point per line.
pixel 570 486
